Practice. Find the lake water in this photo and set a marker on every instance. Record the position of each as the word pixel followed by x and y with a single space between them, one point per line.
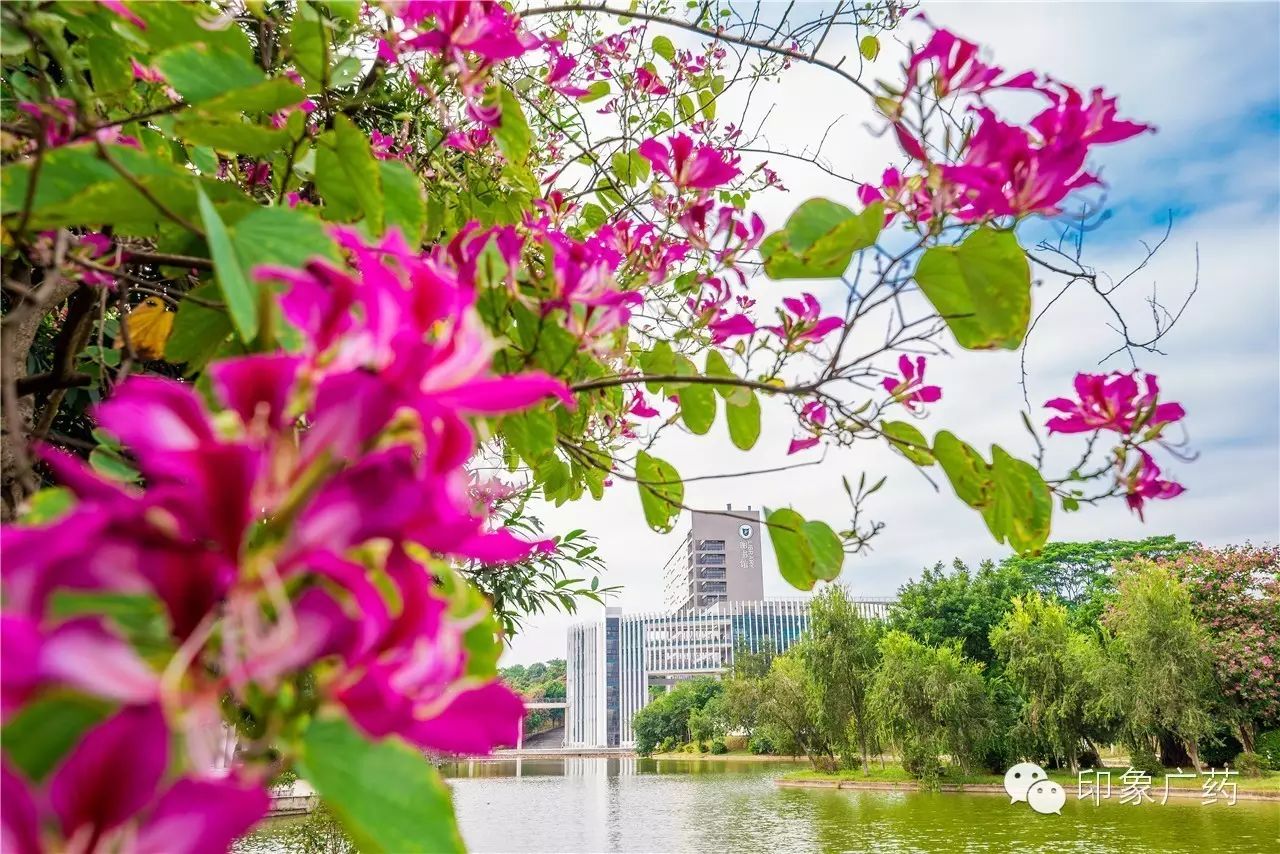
pixel 598 805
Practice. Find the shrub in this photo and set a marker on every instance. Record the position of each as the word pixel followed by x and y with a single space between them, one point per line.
pixel 1249 764
pixel 668 745
pixel 718 747
pixel 735 742
pixel 760 745
pixel 1143 758
pixel 1267 746
pixel 1220 749
pixel 702 747
pixel 1089 758
pixel 923 765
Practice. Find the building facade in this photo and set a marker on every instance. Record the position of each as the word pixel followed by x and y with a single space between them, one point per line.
pixel 613 663
pixel 718 561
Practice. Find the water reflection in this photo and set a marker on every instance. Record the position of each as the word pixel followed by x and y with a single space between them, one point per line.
pixel 625 804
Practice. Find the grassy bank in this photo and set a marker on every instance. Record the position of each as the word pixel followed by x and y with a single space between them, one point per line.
pixel 1269 782
pixel 731 756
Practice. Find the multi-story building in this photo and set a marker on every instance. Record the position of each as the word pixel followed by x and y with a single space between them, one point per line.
pixel 719 561
pixel 613 663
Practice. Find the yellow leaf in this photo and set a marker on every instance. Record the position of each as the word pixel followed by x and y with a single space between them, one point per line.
pixel 149 325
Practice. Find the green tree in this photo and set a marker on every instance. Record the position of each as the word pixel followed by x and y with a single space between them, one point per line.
pixel 959 606
pixel 931 701
pixel 1164 655
pixel 1053 667
pixel 840 656
pixel 1080 573
pixel 668 715
pixel 789 710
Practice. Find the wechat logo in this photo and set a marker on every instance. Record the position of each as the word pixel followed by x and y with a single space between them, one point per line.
pixel 1027 781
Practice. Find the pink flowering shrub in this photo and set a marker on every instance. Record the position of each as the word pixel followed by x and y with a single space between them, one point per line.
pixel 1235 594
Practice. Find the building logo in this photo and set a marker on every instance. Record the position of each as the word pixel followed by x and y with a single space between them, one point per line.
pixel 744 531
pixel 1027 781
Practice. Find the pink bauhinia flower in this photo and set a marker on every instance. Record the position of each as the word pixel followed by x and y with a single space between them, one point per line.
pixel 727 326
pixel 1070 119
pixel 109 794
pixel 690 166
pixel 958 68
pixel 639 406
pixel 646 81
pixel 384 146
pixel 471 141
pixel 813 416
pixel 801 323
pixel 1113 402
pixel 57 118
pixel 1143 483
pixel 559 67
pixel 81 653
pixel 119 8
pixel 145 73
pixel 911 390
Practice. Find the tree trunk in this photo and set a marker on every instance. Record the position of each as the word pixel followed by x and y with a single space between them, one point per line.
pixel 1173 751
pixel 18 411
pixel 1247 737
pixel 1193 751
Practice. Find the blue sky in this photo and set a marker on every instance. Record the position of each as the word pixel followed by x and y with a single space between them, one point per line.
pixel 1207 76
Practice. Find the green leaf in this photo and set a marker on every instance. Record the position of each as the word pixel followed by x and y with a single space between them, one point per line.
pixel 200 71
pixel 1022 509
pixel 239 294
pixel 198 331
pixel 232 135
pixel 109 64
pixel 907 440
pixel 386 793
pixel 512 134
pixel 111 465
pixel 661 491
pixel 269 96
pixel 348 177
pixel 625 169
pixel 43 731
pixel 48 505
pixel 1013 498
pixel 640 166
pixel 819 240
pixel 744 420
pixel 718 367
pixel 869 47
pixel 981 287
pixel 276 235
pixel 697 407
pixel 532 434
pixel 685 108
pixel 405 200
pixel 204 159
pixel 170 24
pixel 663 47
pixel 791 547
pixel 827 550
pixel 77 187
pixel 595 92
pixel 593 216
pixel 309 42
pixel 707 104
pixel 965 468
